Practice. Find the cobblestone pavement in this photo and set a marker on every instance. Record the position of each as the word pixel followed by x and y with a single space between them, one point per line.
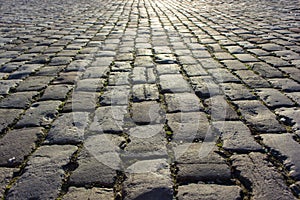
pixel 150 99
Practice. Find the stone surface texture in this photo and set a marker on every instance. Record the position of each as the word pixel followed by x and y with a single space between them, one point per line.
pixel 149 99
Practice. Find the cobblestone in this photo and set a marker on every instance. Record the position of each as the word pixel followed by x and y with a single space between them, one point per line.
pixel 149 99
pixel 265 180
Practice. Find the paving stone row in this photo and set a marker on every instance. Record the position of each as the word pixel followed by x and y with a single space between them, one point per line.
pixel 149 99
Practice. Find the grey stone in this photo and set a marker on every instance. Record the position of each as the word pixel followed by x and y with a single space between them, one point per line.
pixel 271 47
pixel 68 128
pixel 259 117
pixel 237 91
pixel 285 84
pixel 63 60
pixel 92 171
pixel 291 116
pixel 285 148
pixel 119 78
pixel 34 83
pixel 256 172
pixel 124 57
pixel 162 50
pixel 235 49
pixel 293 72
pixel 155 183
pixel 252 79
pixel 89 194
pixel 259 52
pixel 246 57
pixel 24 71
pixel 68 78
pixel 56 92
pixel 168 69
pixel 273 98
pixel 139 75
pixel 6 174
pixel 8 116
pixel 17 144
pixel 96 72
pixel 275 61
pixel 236 136
pixel 143 61
pixel 109 119
pixel 165 59
pixel 194 70
pixel 39 114
pixel 187 127
pixel 184 102
pixel 121 67
pixel 295 96
pixel 18 100
pixel 200 53
pixel 115 95
pixel 265 70
pixel 89 85
pixel 205 86
pixel 78 65
pixel 219 109
pixel 49 71
pixel 193 173
pixel 7 85
pixel 149 112
pixel 208 191
pixel 222 75
pixel 223 56
pixel 83 101
pixel 234 65
pixel 145 92
pixel 173 83
pixel 209 63
pixel 147 142
pixel 43 174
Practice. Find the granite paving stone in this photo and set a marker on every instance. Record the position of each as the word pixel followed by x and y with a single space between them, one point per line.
pixel 205 86
pixel 290 116
pixel 264 180
pixel 39 114
pixel 274 98
pixel 173 84
pixel 19 100
pixel 265 70
pixel 92 171
pixel 237 91
pixel 8 116
pixel 182 102
pixel 108 119
pixel 259 116
pixel 208 191
pixel 91 194
pixel 115 95
pixel 17 144
pixel 43 174
pixel 252 80
pixel 68 128
pixel 56 92
pixel 189 126
pixel 149 99
pixel 145 92
pixel 288 150
pixel 193 168
pixel 236 136
pixel 285 84
pixel 153 182
pixel 6 174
